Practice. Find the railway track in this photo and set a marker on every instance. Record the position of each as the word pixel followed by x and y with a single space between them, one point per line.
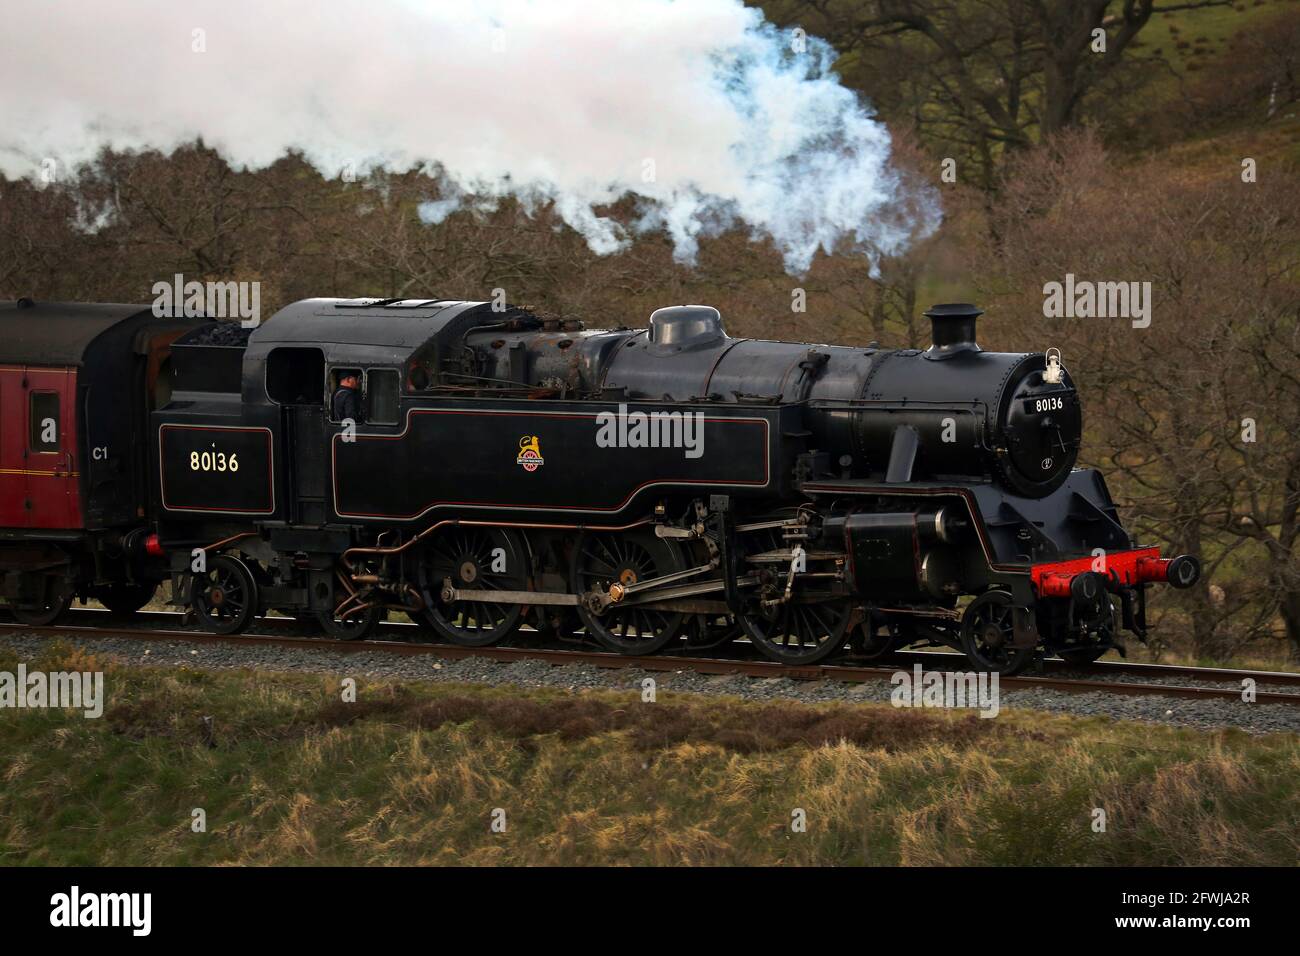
pixel 1102 677
pixel 1101 668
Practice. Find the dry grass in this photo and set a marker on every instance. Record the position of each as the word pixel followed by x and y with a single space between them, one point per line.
pixel 287 773
pixel 735 727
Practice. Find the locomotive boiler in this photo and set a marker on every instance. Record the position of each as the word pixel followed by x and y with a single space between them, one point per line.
pixel 643 488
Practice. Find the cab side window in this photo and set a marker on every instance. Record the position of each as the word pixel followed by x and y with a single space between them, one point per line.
pixel 383 385
pixel 294 374
pixel 44 421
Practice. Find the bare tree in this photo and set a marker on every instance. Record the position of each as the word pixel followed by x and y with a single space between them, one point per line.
pixel 1194 417
pixel 980 78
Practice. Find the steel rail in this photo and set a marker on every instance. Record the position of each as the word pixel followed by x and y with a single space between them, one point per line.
pixel 1282 678
pixel 851 673
pixel 946 659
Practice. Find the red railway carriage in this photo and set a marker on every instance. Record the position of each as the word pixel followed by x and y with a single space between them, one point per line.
pixel 77 385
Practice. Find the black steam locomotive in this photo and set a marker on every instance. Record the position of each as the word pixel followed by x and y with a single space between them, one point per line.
pixel 645 487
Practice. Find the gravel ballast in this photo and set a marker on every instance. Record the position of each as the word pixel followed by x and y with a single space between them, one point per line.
pixel 380 664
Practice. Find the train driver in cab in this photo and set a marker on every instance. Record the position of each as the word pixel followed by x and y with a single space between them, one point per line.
pixel 346 402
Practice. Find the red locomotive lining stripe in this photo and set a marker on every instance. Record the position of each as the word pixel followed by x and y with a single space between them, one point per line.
pixel 515 413
pixel 270 448
pixel 518 507
pixel 767 477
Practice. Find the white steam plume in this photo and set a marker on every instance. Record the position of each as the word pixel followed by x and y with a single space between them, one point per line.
pixel 702 110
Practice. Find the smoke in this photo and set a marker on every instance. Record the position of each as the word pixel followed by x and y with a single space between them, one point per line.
pixel 706 114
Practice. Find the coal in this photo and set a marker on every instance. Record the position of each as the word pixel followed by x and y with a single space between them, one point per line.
pixel 230 334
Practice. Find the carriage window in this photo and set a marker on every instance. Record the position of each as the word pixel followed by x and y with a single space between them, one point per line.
pixel 44 421
pixel 383 384
pixel 294 376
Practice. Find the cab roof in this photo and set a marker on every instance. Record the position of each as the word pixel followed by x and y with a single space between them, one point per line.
pixel 395 323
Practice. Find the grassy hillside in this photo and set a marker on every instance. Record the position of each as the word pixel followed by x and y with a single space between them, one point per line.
pixel 287 773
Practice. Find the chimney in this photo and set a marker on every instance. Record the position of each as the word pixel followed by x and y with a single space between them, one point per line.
pixel 953 328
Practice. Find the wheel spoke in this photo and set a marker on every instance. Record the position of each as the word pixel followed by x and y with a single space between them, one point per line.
pixel 988 633
pixel 822 629
pixel 614 558
pixel 602 560
pixel 612 568
pixel 477 623
pixel 806 629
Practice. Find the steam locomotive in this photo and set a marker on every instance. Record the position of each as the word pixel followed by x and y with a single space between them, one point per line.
pixel 668 486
